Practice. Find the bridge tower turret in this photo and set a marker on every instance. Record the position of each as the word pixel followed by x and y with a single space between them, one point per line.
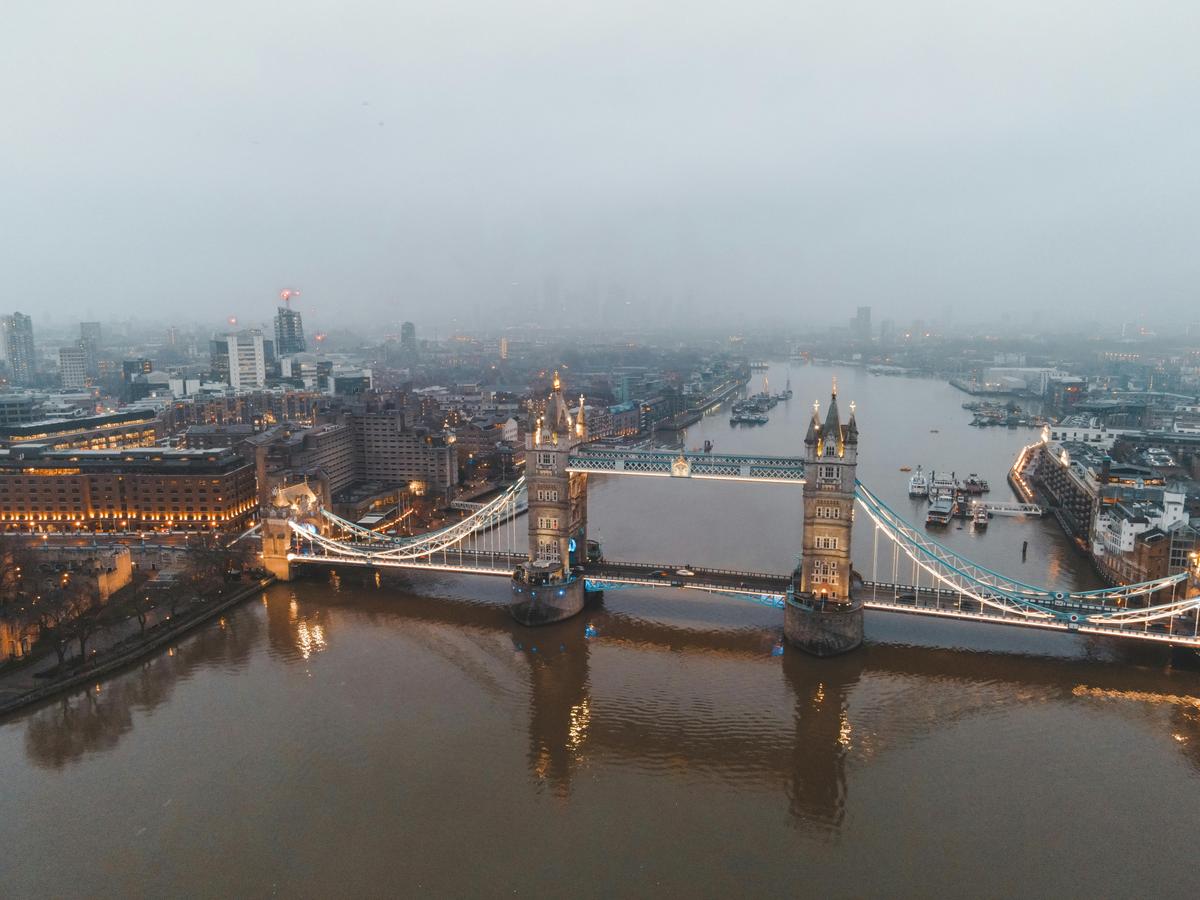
pixel 297 502
pixel 545 590
pixel 822 615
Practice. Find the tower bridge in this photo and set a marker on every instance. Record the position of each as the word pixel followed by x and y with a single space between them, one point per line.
pixel 822 599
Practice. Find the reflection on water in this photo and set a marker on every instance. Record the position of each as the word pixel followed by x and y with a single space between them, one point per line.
pixel 845 711
pixel 66 730
pixel 702 706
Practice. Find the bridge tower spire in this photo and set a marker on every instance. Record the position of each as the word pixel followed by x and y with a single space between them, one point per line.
pixel 823 616
pixel 545 589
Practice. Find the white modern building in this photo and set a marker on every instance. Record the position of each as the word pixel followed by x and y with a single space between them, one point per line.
pixel 239 359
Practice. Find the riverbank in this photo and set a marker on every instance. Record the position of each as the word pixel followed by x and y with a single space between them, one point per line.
pixel 126 654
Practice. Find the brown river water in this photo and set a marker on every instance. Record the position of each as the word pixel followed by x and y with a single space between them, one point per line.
pixel 332 739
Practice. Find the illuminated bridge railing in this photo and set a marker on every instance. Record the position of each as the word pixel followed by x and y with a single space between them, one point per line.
pixel 665 464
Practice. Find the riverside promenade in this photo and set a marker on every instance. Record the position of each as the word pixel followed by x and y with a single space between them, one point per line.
pixel 125 645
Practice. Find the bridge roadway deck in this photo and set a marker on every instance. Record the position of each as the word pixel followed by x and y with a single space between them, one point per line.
pixel 772 588
pixel 732 581
pixel 474 562
pixel 947 604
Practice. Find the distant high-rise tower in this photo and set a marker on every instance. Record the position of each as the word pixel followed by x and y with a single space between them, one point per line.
pixel 860 325
pixel 89 340
pixel 72 366
pixel 408 337
pixel 239 359
pixel 18 347
pixel 887 332
pixel 289 332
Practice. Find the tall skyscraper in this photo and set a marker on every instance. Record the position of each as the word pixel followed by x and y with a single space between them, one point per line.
pixel 18 347
pixel 239 359
pixel 860 325
pixel 89 340
pixel 887 332
pixel 408 337
pixel 72 366
pixel 289 332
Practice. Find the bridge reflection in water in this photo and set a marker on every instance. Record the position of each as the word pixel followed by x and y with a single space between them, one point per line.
pixel 830 716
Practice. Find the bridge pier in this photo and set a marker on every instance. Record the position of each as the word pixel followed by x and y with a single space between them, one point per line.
pixel 543 604
pixel 823 628
pixel 276 544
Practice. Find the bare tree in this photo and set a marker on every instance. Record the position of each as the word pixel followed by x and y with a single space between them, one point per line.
pixel 140 605
pixel 52 616
pixel 17 565
pixel 211 560
pixel 69 612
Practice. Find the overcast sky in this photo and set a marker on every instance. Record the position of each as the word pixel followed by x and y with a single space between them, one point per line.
pixel 781 160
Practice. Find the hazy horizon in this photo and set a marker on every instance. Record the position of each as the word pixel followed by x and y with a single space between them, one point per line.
pixel 702 162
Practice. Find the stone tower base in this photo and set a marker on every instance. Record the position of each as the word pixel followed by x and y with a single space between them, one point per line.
pixel 547 603
pixel 278 566
pixel 823 630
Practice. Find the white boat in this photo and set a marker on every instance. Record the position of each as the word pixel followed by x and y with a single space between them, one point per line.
pixel 980 517
pixel 942 486
pixel 918 485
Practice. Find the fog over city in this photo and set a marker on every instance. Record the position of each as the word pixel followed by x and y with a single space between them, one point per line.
pixel 620 162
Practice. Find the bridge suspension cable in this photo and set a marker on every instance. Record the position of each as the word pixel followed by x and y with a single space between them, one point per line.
pixel 1016 598
pixel 384 549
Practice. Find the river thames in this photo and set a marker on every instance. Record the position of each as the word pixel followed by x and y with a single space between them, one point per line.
pixel 332 739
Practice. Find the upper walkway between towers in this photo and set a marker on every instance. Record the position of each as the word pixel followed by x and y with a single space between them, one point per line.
pixel 691 464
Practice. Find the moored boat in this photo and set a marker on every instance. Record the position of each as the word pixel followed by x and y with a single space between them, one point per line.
pixel 941 511
pixel 918 485
pixel 980 517
pixel 973 484
pixel 942 484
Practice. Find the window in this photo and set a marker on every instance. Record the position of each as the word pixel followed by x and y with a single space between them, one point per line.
pixel 825 542
pixel 550 496
pixel 824 572
pixel 548 522
pixel 828 473
pixel 829 512
pixel 545 460
pixel 547 550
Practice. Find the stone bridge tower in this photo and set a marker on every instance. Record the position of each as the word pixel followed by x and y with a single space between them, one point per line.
pixel 544 590
pixel 293 503
pixel 823 616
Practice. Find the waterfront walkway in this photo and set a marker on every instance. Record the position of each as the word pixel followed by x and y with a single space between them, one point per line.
pixel 115 647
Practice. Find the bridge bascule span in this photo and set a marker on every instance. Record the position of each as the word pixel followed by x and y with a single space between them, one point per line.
pixel 551 572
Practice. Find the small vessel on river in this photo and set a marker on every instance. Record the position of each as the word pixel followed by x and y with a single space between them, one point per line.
pixel 941 511
pixel 918 485
pixel 973 484
pixel 942 485
pixel 748 418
